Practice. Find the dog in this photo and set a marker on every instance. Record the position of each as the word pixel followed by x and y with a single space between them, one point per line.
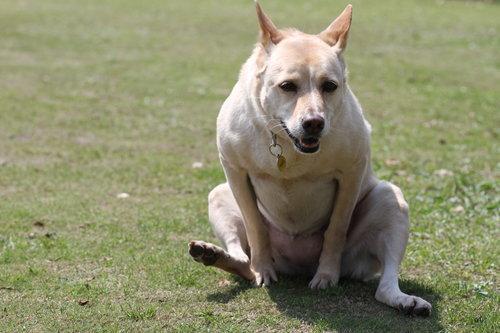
pixel 301 196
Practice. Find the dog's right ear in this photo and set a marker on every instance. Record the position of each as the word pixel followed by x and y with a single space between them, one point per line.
pixel 269 34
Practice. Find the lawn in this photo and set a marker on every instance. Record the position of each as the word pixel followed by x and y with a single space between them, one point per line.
pixel 99 98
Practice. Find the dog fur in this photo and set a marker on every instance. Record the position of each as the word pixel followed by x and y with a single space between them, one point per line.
pixel 325 214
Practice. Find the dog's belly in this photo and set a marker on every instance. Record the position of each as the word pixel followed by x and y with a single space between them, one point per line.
pixel 295 254
pixel 296 213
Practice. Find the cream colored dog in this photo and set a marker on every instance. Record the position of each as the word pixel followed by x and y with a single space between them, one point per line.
pixel 301 197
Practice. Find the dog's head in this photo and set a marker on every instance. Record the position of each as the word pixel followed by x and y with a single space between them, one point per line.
pixel 302 78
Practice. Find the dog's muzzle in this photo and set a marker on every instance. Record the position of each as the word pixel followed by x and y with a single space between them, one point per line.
pixel 309 143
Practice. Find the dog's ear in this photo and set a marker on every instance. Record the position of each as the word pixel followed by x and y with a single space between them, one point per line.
pixel 268 31
pixel 336 34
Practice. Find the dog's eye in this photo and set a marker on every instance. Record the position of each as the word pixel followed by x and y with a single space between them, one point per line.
pixel 288 86
pixel 328 86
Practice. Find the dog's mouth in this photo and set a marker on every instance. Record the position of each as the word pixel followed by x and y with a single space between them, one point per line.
pixel 306 144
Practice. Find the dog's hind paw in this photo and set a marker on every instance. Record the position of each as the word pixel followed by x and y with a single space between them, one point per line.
pixel 205 253
pixel 415 306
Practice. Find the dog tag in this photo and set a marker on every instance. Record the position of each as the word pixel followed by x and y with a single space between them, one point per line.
pixel 275 149
pixel 281 163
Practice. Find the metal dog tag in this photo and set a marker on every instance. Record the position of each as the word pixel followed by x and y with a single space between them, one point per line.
pixel 281 163
pixel 276 150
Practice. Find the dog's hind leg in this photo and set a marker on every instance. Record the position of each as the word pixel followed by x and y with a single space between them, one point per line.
pixel 227 223
pixel 381 226
pixel 213 255
pixel 390 249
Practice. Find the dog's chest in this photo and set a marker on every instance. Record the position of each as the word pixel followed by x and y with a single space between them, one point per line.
pixel 298 205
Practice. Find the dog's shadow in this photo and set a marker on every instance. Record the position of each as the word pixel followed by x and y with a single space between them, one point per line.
pixel 349 307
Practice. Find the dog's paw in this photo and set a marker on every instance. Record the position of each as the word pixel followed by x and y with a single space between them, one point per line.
pixel 324 280
pixel 205 253
pixel 264 274
pixel 415 306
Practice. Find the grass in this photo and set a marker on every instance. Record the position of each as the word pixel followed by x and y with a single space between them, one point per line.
pixel 99 98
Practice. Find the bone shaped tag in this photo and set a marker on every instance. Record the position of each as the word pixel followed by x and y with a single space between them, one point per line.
pixel 281 163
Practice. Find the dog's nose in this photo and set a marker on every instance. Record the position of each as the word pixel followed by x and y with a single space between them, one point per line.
pixel 313 125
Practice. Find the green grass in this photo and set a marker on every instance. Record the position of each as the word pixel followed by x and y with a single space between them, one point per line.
pixel 103 97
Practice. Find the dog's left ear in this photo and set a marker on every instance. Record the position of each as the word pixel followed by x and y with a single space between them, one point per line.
pixel 336 34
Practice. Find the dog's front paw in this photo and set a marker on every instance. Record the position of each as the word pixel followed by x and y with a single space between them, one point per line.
pixel 264 274
pixel 323 280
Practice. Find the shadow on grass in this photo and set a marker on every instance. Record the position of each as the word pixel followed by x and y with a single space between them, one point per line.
pixel 349 307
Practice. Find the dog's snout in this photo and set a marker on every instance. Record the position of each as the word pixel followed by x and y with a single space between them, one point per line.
pixel 313 125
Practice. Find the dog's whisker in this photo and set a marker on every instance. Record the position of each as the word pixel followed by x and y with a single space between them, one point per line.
pixel 276 126
pixel 263 117
pixel 272 123
pixel 270 120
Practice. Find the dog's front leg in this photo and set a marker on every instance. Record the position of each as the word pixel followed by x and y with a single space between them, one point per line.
pixel 257 235
pixel 328 271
